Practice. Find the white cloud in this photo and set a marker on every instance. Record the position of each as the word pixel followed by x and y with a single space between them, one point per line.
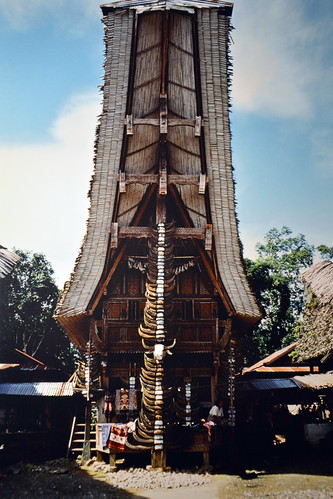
pixel 277 59
pixel 43 192
pixel 71 15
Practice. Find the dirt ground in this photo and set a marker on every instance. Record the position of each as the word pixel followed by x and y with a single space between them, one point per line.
pixel 304 479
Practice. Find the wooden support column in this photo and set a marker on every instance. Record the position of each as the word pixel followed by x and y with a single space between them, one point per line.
pixel 158 459
pixel 158 453
pixel 86 451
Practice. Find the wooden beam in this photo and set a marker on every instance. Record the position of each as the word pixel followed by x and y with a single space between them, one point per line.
pixel 189 233
pixel 153 178
pixel 145 232
pixel 138 178
pixel 194 123
pixel 135 232
pixel 185 179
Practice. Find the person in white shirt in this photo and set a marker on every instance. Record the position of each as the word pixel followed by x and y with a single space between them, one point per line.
pixel 216 413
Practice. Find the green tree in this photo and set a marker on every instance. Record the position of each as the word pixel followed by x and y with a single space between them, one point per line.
pixel 326 252
pixel 28 296
pixel 274 278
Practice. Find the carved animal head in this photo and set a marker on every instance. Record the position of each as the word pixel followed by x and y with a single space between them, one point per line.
pixel 159 350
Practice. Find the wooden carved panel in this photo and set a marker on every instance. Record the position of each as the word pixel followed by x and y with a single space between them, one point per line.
pixel 133 284
pixel 186 284
pixel 205 310
pixel 116 310
pixel 117 336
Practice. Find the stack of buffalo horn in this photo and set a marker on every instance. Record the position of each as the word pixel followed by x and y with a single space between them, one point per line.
pixel 158 317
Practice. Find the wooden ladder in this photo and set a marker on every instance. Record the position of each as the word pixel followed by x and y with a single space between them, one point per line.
pixel 76 439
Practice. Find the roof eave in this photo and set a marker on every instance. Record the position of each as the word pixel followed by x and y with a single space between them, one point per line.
pixel 143 5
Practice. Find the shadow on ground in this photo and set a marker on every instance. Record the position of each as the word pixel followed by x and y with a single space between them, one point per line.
pixel 62 479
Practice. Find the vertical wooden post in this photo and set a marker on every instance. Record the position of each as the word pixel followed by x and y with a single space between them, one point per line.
pixel 158 459
pixel 213 389
pixel 158 455
pixel 86 451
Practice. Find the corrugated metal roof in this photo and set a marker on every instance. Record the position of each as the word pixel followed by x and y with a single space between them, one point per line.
pixel 315 381
pixel 38 389
pixel 268 384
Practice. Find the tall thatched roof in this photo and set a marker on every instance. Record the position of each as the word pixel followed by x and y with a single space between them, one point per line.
pixel 197 71
pixel 316 336
pixel 7 261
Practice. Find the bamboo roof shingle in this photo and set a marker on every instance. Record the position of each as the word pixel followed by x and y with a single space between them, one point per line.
pixel 133 82
pixel 7 261
pixel 316 333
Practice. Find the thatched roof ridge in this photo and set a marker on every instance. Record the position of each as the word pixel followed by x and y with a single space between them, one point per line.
pixel 165 4
pixel 319 281
pixel 7 261
pixel 315 381
pixel 316 333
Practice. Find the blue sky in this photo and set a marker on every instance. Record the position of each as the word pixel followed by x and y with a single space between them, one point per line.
pixel 51 57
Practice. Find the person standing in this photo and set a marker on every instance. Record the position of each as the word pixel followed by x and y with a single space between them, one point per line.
pixel 216 413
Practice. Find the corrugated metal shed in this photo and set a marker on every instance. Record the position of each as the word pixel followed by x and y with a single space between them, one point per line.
pixel 267 384
pixel 39 389
pixel 312 381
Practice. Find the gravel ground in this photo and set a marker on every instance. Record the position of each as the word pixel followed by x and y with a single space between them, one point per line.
pixel 66 479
